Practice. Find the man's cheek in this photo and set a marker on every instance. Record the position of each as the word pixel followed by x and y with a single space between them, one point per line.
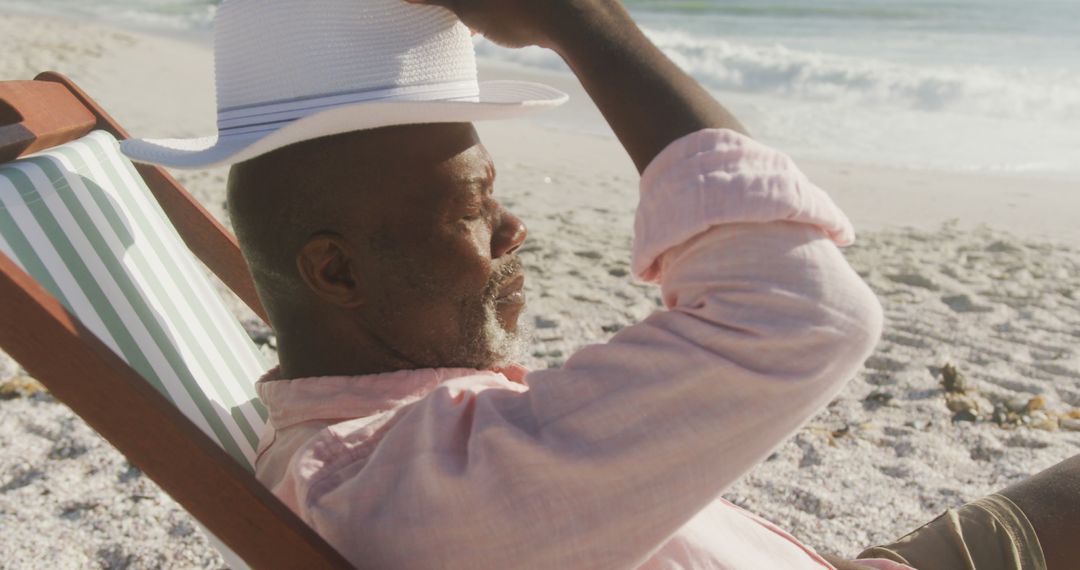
pixel 480 240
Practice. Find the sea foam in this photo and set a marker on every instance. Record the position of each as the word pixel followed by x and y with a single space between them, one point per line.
pixel 777 70
pixel 977 85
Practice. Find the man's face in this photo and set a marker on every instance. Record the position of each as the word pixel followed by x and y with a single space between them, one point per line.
pixel 440 281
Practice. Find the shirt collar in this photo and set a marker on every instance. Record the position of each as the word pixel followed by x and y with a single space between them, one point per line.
pixel 292 401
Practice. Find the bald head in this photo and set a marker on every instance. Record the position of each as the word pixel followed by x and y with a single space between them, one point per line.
pixel 377 235
pixel 279 200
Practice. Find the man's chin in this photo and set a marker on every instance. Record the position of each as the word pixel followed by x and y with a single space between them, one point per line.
pixel 508 315
pixel 496 339
pixel 506 338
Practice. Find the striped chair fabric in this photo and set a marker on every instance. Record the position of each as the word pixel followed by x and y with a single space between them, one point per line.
pixel 80 220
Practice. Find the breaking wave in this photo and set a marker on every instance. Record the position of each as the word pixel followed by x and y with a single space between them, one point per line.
pixel 179 15
pixel 816 77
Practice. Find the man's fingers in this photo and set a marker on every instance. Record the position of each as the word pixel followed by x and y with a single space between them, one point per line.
pixel 448 4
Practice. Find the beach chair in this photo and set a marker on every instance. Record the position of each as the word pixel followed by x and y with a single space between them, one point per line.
pixel 103 302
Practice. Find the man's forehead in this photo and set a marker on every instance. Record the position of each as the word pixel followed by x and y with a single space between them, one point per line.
pixel 462 177
pixel 451 152
pixel 434 142
pixel 390 164
pixel 472 167
pixel 421 174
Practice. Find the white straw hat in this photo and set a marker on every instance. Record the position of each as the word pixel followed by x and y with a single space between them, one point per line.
pixel 294 70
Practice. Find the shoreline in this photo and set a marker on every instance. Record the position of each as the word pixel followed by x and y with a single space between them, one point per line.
pixel 580 116
pixel 173 97
pixel 202 38
pixel 875 197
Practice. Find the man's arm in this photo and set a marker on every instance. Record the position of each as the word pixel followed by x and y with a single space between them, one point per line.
pixel 648 101
pixel 601 461
pixel 645 97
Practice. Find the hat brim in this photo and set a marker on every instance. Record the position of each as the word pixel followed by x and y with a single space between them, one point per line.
pixel 497 100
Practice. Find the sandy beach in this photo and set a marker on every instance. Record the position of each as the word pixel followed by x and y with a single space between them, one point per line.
pixel 978 274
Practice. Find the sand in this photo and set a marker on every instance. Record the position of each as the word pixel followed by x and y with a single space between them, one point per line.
pixel 982 273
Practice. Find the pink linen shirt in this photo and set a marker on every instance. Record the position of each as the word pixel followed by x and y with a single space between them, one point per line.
pixel 617 459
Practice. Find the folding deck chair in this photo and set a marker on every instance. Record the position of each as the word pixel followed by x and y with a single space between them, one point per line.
pixel 102 301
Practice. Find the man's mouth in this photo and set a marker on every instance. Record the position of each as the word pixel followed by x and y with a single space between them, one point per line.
pixel 513 292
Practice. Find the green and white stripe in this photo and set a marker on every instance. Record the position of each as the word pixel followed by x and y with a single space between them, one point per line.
pixel 80 220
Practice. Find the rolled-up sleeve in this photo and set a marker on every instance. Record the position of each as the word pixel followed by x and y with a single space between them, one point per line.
pixel 600 461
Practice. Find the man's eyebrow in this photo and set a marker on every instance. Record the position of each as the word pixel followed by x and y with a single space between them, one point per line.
pixel 485 181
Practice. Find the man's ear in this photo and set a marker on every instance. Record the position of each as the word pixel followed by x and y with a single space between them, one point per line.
pixel 327 266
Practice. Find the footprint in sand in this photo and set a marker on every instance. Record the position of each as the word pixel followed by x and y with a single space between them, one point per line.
pixel 896 471
pixel 882 362
pixel 914 280
pixel 23 477
pixel 1026 442
pixel 965 304
pixel 543 323
pixel 905 340
pixel 589 254
pixel 1057 369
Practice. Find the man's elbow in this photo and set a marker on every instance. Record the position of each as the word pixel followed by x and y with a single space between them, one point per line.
pixel 854 318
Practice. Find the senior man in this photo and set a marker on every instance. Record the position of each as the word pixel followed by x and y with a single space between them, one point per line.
pixel 403 432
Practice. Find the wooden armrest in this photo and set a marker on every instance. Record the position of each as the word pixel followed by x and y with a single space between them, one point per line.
pixel 36 115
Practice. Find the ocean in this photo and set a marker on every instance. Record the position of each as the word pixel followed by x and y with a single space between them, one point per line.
pixel 988 86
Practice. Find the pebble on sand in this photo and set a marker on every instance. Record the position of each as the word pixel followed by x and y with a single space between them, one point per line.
pixel 20 387
pixel 953 381
pixel 1044 421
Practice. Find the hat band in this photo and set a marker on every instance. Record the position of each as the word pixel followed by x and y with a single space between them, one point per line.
pixel 270 116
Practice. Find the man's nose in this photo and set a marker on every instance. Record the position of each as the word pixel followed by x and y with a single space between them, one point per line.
pixel 509 236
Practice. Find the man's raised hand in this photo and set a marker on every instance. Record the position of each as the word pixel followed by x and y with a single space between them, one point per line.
pixel 511 23
pixel 648 101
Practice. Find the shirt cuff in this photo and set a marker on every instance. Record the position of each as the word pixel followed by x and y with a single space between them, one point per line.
pixel 718 176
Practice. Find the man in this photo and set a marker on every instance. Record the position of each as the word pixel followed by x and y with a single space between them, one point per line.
pixel 400 428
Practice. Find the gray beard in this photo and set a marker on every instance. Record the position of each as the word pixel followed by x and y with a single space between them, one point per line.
pixel 490 345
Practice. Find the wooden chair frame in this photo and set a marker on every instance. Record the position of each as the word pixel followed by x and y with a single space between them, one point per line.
pixel 109 395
